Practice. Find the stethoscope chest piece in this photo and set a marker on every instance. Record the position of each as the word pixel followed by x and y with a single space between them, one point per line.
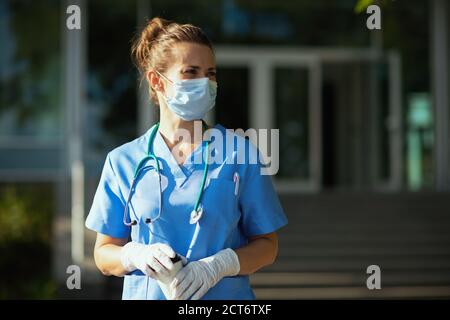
pixel 196 215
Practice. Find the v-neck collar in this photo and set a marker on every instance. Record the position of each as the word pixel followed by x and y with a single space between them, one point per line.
pixel 180 171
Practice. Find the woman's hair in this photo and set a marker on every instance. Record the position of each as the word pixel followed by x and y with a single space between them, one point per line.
pixel 152 49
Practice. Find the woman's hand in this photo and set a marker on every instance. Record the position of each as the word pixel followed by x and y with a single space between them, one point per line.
pixel 152 260
pixel 197 277
pixel 114 256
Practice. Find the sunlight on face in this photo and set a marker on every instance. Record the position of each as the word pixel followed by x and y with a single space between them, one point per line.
pixel 191 61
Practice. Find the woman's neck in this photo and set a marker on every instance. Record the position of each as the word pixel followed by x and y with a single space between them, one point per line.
pixel 170 126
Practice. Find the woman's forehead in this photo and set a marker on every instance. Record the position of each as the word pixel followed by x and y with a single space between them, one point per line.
pixel 186 54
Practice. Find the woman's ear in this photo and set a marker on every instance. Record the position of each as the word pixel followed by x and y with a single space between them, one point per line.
pixel 155 81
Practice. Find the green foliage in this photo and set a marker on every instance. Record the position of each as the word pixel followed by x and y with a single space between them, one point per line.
pixel 361 5
pixel 25 235
pixel 25 214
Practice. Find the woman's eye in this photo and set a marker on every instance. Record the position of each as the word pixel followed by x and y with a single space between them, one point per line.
pixel 212 73
pixel 191 71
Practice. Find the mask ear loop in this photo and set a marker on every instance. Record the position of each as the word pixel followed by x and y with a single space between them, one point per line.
pixel 163 76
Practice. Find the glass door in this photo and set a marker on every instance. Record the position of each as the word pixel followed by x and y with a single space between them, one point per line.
pixel 297 110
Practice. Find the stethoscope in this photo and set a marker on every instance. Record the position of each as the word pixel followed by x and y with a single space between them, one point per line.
pixel 196 213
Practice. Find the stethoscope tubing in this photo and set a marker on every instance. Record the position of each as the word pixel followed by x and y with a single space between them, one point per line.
pixel 151 156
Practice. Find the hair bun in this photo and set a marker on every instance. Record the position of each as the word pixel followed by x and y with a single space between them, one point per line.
pixel 153 29
pixel 152 48
pixel 141 49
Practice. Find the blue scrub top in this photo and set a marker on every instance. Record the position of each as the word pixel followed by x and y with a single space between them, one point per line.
pixel 228 219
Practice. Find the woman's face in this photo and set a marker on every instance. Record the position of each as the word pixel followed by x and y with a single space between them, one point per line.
pixel 190 61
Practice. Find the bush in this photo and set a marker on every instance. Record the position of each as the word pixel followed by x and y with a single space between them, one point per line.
pixel 25 235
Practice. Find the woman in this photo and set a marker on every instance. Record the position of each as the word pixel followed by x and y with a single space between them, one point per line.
pixel 221 216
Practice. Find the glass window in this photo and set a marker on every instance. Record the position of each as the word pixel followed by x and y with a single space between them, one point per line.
pixel 400 19
pixel 272 22
pixel 30 68
pixel 232 97
pixel 356 128
pixel 292 118
pixel 111 113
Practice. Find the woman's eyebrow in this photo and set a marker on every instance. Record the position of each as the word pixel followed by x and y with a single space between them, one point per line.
pixel 197 67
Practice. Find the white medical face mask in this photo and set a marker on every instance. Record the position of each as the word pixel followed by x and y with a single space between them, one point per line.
pixel 192 98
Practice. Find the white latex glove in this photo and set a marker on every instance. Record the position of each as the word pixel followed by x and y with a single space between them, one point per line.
pixel 197 277
pixel 164 280
pixel 153 259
